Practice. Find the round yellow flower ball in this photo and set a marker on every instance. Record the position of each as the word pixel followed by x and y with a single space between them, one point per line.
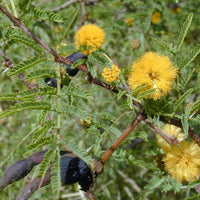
pixel 111 75
pixel 90 37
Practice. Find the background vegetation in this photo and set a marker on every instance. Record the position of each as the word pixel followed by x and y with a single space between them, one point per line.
pixel 99 116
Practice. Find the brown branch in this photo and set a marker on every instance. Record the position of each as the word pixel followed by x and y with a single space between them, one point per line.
pixel 170 140
pixel 122 137
pixel 177 122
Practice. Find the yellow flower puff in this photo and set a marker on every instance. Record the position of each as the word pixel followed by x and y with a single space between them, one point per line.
pixel 91 37
pixel 169 130
pixel 155 71
pixel 129 21
pixel 110 75
pixel 155 18
pixel 183 161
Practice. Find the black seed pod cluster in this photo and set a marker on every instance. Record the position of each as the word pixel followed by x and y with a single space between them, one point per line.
pixel 73 170
pixel 71 72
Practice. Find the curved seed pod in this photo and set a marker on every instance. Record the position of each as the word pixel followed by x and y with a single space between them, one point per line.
pixel 20 169
pixel 71 72
pixel 73 170
pixel 74 57
pixel 34 185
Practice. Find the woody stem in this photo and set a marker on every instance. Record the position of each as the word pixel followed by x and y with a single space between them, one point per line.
pixel 122 137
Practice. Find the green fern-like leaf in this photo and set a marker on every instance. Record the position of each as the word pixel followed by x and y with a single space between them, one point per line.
pixel 39 133
pixel 25 106
pixel 91 68
pixel 167 46
pixel 77 91
pixel 46 15
pixel 45 164
pixel 77 63
pixel 25 65
pixel 77 150
pixel 41 73
pixel 40 143
pixel 195 107
pixel 148 19
pixel 184 29
pixel 28 95
pixel 69 22
pixel 153 183
pixel 184 120
pixel 181 100
pixel 185 79
pixel 56 173
pixel 146 93
pixel 100 57
pixel 24 4
pixel 79 113
pixel 27 41
pixel 191 55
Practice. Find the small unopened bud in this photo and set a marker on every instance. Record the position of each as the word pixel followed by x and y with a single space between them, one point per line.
pixel 135 44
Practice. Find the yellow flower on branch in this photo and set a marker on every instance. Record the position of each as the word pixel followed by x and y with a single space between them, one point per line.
pixel 183 161
pixel 170 131
pixel 155 18
pixel 155 71
pixel 109 74
pixel 91 37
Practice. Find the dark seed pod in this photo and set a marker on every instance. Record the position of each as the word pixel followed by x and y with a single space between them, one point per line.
pixel 34 185
pixel 74 57
pixel 52 82
pixel 73 170
pixel 20 169
pixel 71 72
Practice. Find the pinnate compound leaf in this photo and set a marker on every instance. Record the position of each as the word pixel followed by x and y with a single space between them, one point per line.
pixel 25 65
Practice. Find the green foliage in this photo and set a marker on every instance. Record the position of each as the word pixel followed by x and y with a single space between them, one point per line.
pixel 41 73
pixel 82 116
pixel 27 41
pixel 25 65
pixel 55 173
pixel 181 100
pixel 167 46
pixel 184 29
pixel 44 165
pixel 25 106
pixel 77 150
pixel 68 23
pixel 46 15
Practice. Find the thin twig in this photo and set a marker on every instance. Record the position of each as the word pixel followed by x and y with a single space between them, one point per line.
pixel 170 140
pixel 139 117
pixel 64 5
